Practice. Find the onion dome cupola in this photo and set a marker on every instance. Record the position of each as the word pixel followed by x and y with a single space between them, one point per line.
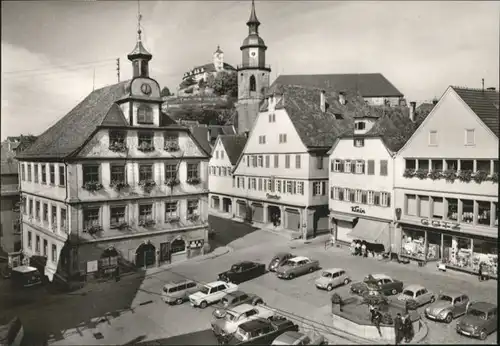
pixel 140 58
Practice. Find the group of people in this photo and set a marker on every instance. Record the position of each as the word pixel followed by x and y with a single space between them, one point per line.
pixel 358 248
pixel 276 220
pixel 403 328
pixel 483 272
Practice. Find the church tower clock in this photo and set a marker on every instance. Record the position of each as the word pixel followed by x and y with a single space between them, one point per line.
pixel 253 75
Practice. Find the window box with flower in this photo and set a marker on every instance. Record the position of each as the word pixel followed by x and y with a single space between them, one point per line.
pixel 435 174
pixel 120 225
pixel 118 147
pixel 118 185
pixel 171 146
pixel 171 182
pixel 92 186
pixel 193 181
pixel 480 176
pixel 450 175
pixel 409 173
pixel 147 185
pixel 146 147
pixel 92 229
pixel 465 176
pixel 421 173
pixel 494 178
pixel 193 217
pixel 147 223
pixel 171 219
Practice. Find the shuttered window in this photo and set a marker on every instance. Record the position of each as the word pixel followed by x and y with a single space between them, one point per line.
pixel 371 167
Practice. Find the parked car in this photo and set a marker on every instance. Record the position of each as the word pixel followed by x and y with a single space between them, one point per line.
pixel 178 291
pixel 480 320
pixel 243 271
pixel 234 299
pixel 260 331
pixel 238 315
pixel 331 278
pixel 378 282
pixel 298 338
pixel 279 259
pixel 416 296
pixel 211 293
pixel 297 266
pixel 448 305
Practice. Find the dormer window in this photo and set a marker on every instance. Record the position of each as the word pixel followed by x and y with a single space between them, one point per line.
pixel 144 115
pixel 359 142
pixel 360 125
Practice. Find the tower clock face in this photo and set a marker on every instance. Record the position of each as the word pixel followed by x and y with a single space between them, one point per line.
pixel 146 89
pixel 253 54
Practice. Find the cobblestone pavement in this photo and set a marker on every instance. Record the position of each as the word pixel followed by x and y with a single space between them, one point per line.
pixel 183 324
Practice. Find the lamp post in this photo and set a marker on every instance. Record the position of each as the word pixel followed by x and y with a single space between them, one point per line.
pixel 398 217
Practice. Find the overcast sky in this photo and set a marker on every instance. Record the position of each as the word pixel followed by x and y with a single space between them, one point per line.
pixel 50 49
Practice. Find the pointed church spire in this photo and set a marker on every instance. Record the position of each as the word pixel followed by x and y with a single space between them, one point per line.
pixel 253 23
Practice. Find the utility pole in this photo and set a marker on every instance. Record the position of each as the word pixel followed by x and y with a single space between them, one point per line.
pixel 118 69
pixel 93 80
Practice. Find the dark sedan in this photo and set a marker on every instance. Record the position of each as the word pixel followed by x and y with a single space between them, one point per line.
pixel 243 271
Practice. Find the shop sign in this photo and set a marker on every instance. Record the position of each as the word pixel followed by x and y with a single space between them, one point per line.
pixel 440 224
pixel 357 209
pixel 268 195
pixel 92 266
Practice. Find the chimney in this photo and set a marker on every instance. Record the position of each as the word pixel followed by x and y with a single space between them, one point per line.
pixel 322 101
pixel 342 98
pixel 246 133
pixel 491 89
pixel 434 102
pixel 413 105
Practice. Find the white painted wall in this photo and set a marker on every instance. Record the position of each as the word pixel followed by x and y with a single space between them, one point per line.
pixel 216 183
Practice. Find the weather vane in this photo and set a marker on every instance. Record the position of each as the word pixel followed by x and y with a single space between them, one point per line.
pixel 139 17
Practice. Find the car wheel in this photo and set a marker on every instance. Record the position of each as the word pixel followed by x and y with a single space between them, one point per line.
pixel 203 304
pixel 483 335
pixel 329 287
pixel 346 281
pixel 394 292
pixel 311 270
pixel 291 276
pixel 448 318
pixel 433 299
pixel 179 301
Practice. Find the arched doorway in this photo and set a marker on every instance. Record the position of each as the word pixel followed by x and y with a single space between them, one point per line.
pixel 178 250
pixel 145 255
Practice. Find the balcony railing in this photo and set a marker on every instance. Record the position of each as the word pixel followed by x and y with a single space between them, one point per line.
pixel 256 66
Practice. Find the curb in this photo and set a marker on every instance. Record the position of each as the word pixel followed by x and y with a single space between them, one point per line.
pixel 422 333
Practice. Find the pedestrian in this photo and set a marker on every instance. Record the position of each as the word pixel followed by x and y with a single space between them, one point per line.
pixel 353 248
pixel 363 250
pixel 117 274
pixel 408 328
pixel 481 271
pixel 377 317
pixel 398 328
pixel 358 248
pixel 371 307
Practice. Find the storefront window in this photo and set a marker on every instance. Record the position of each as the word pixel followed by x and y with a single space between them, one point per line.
pixel 487 253
pixel 410 163
pixel 413 244
pixel 452 164
pixel 463 258
pixel 484 213
pixel 423 164
pixel 466 165
pixel 452 213
pixel 437 208
pixel 467 211
pixel 434 246
pixel 448 252
pixel 424 206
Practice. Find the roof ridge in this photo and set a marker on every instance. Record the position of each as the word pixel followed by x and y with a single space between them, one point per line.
pixel 472 89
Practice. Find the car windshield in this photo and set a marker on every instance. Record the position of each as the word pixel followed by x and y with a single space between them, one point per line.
pixel 204 290
pixel 408 293
pixel 230 317
pixel 327 275
pixel 235 268
pixel 477 313
pixel 445 298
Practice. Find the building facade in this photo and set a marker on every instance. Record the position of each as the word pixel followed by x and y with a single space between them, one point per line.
pixel 446 183
pixel 253 76
pixel 361 179
pixel 10 236
pixel 225 155
pixel 115 183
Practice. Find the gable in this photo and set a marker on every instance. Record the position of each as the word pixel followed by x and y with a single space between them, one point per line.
pixel 450 118
pixel 115 117
pixel 217 158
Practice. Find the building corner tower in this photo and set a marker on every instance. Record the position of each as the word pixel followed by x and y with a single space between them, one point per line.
pixel 253 75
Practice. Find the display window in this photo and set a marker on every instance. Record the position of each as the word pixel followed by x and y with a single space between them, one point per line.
pixel 485 252
pixel 467 211
pixel 484 213
pixel 413 244
pixel 452 212
pixel 463 258
pixel 433 246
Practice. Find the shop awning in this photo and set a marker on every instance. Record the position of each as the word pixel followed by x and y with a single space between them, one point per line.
pixel 371 231
pixel 343 217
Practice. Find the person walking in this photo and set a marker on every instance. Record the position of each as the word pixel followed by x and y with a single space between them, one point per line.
pixel 353 248
pixel 408 328
pixel 358 249
pixel 377 317
pixel 398 328
pixel 480 276
pixel 363 250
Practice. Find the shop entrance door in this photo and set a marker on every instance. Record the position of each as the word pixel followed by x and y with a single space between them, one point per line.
pixel 165 253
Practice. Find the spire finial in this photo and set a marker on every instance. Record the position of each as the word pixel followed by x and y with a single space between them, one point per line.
pixel 139 18
pixel 253 17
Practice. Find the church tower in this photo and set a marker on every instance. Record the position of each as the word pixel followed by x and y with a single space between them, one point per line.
pixel 253 75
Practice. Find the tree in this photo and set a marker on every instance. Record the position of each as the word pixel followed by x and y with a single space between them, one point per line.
pixel 165 92
pixel 224 83
pixel 187 82
pixel 202 84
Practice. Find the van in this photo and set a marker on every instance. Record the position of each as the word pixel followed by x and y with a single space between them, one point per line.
pixel 178 292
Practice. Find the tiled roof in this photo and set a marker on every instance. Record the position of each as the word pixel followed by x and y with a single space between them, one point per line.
pixel 70 133
pixel 216 130
pixel 484 103
pixel 368 84
pixel 201 135
pixel 425 107
pixel 316 128
pixel 395 127
pixel 234 145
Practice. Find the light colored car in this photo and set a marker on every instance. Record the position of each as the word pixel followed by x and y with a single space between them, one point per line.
pixel 234 299
pixel 417 295
pixel 211 293
pixel 238 315
pixel 178 291
pixel 331 278
pixel 297 266
pixel 298 338
pixel 448 305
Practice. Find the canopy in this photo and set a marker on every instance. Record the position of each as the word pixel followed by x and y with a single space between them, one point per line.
pixel 371 231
